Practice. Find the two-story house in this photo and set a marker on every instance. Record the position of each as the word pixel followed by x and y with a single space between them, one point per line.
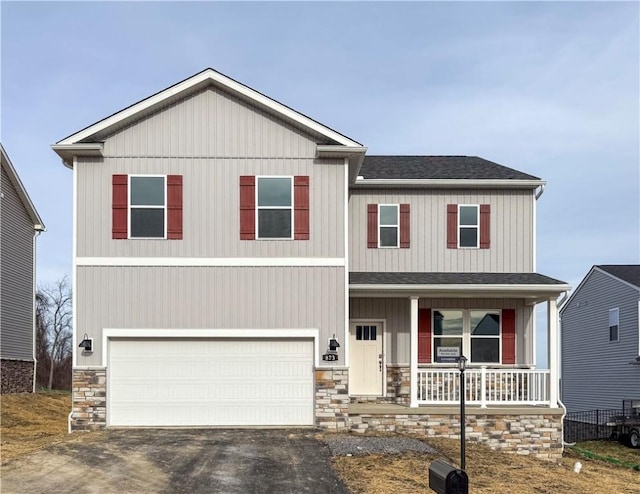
pixel 20 225
pixel 600 339
pixel 238 263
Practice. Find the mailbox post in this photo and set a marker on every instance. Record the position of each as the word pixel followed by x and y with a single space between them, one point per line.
pixel 445 479
pixel 462 364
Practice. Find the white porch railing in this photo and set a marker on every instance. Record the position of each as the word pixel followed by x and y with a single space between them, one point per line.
pixel 484 387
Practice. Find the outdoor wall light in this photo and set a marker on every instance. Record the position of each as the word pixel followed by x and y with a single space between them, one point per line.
pixel 333 344
pixel 86 344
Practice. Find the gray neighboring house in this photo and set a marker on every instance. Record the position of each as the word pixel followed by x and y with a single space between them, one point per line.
pixel 20 224
pixel 600 338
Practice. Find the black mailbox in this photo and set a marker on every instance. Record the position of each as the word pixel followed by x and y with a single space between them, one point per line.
pixel 445 479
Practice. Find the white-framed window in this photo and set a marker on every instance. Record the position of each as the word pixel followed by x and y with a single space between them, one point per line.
pixel 614 323
pixel 274 211
pixel 147 206
pixel 468 225
pixel 474 333
pixel 388 225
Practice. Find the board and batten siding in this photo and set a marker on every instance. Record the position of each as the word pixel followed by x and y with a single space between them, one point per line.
pixel 211 205
pixel 511 228
pixel 118 297
pixel 211 123
pixel 16 274
pixel 397 314
pixel 595 371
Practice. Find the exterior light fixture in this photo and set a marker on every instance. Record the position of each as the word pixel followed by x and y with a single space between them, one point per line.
pixel 86 344
pixel 333 344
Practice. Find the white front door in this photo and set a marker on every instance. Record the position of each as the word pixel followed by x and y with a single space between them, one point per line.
pixel 366 357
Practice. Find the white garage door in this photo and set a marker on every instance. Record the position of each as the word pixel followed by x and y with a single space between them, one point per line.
pixel 209 382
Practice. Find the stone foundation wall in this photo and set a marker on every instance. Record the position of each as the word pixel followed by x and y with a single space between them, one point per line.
pixel 537 435
pixel 332 398
pixel 17 376
pixel 89 400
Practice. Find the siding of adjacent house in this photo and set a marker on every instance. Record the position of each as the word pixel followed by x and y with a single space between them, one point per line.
pixel 16 275
pixel 210 138
pixel 209 298
pixel 595 371
pixel 396 314
pixel 511 229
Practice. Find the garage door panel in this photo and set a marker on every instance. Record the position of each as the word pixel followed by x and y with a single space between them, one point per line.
pixel 210 382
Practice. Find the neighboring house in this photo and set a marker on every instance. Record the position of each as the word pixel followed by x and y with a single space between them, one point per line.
pixel 600 345
pixel 20 224
pixel 238 263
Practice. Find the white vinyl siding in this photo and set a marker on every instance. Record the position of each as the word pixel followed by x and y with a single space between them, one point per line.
pixel 210 382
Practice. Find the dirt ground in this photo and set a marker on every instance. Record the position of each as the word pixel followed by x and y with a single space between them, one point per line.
pixel 489 472
pixel 31 422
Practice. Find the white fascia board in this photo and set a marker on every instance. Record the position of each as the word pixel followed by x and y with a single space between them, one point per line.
pixel 353 154
pixel 213 261
pixel 38 224
pixel 310 333
pixel 461 289
pixel 449 183
pixel 208 75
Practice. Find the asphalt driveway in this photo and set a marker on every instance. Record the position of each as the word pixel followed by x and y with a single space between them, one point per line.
pixel 179 461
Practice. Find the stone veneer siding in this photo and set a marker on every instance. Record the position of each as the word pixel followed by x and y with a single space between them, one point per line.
pixel 17 376
pixel 89 400
pixel 397 388
pixel 332 398
pixel 539 435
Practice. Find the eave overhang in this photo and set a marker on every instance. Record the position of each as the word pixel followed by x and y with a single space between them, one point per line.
pixel 435 183
pixel 68 151
pixel 354 154
pixel 532 293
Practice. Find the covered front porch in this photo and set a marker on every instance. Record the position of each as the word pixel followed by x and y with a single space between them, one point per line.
pixel 423 322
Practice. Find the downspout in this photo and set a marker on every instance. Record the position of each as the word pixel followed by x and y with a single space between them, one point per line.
pixel 35 288
pixel 540 192
pixel 562 405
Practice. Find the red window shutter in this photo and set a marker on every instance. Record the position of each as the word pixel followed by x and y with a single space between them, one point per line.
pixel 372 226
pixel 452 226
pixel 485 224
pixel 424 336
pixel 301 207
pixel 174 207
pixel 247 207
pixel 119 206
pixel 508 336
pixel 405 225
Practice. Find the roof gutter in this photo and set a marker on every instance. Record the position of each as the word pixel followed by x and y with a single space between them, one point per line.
pixel 450 183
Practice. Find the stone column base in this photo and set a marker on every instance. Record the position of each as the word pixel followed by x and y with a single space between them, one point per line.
pixel 89 409
pixel 332 398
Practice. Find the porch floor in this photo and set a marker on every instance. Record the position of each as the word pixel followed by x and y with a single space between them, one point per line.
pixel 395 409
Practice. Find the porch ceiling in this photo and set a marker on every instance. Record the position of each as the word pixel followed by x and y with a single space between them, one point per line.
pixel 534 287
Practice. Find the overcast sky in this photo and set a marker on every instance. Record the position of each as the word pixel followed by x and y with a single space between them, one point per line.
pixel 551 89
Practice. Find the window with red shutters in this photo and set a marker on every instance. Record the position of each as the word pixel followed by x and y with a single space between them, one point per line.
pixel 147 216
pixel 458 234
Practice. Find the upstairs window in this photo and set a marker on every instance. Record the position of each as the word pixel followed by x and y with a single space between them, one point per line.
pixel 275 207
pixel 614 320
pixel 147 207
pixel 468 217
pixel 389 219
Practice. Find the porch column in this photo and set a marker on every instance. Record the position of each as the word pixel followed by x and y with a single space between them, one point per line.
pixel 552 337
pixel 413 357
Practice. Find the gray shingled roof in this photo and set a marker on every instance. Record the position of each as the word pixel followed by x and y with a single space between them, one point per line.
pixel 392 278
pixel 627 272
pixel 437 167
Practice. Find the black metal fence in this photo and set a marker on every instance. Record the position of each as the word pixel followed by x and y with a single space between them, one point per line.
pixel 590 425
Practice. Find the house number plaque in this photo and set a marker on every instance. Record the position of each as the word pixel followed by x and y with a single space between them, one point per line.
pixel 330 357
